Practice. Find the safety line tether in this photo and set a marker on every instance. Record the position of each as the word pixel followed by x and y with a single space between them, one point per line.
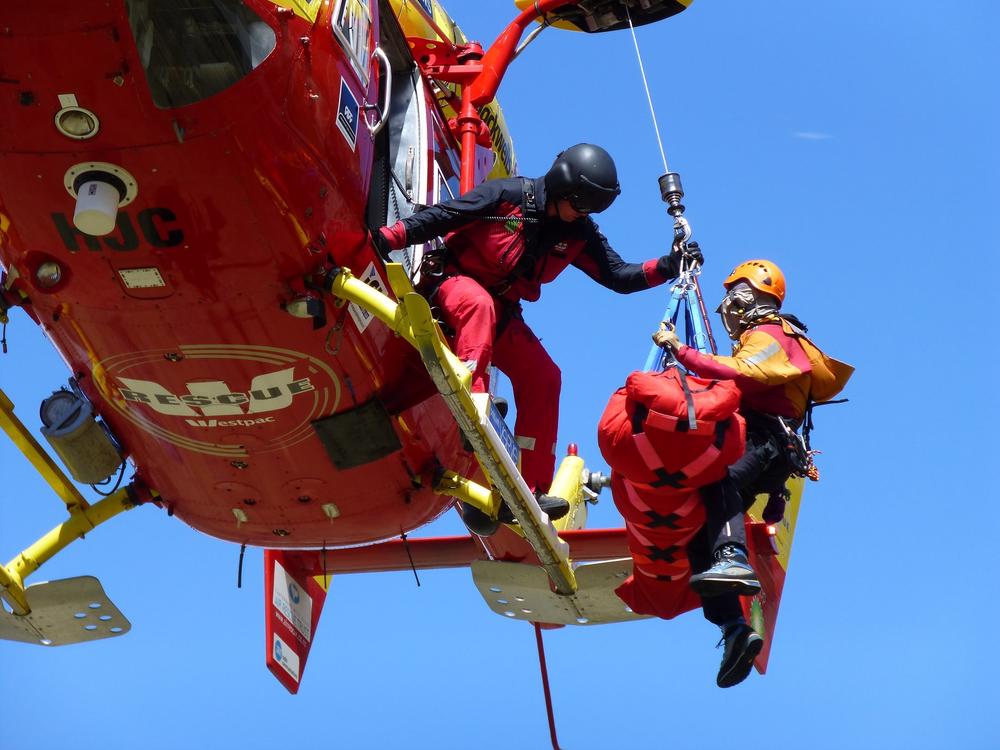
pixel 413 567
pixel 239 567
pixel 549 711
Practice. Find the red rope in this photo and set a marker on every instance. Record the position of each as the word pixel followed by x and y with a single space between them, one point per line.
pixel 545 686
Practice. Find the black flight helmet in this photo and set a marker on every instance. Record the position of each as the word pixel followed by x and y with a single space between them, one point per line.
pixel 585 175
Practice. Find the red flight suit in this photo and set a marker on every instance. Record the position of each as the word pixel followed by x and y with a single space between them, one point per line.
pixel 501 247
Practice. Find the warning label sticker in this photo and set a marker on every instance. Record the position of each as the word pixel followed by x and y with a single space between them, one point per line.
pixel 363 318
pixel 292 601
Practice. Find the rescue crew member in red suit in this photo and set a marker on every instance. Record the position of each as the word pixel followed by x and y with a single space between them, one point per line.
pixel 777 378
pixel 504 239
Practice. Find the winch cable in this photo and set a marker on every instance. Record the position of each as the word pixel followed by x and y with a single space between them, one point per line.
pixel 685 293
pixel 645 83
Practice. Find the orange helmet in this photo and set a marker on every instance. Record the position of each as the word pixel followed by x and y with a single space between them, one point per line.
pixel 762 275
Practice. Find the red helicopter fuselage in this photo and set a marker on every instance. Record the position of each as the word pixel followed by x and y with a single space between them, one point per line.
pixel 245 170
pixel 247 148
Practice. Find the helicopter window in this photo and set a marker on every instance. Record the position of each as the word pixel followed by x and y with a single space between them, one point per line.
pixel 352 23
pixel 193 49
pixel 447 185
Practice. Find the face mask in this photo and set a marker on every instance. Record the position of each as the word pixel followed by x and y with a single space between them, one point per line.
pixel 737 303
pixel 741 306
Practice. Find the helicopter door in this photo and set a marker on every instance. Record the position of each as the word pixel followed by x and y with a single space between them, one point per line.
pixel 400 180
pixel 361 115
pixel 407 159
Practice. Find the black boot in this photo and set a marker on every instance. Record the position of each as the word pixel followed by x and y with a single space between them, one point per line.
pixel 554 507
pixel 482 525
pixel 478 522
pixel 742 646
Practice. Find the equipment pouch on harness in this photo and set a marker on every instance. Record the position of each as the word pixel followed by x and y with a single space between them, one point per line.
pixel 432 270
pixel 797 454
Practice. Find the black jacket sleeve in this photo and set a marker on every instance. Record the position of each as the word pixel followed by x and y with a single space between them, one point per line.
pixel 601 263
pixel 483 200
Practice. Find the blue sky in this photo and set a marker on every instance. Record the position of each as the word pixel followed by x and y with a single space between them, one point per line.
pixel 854 145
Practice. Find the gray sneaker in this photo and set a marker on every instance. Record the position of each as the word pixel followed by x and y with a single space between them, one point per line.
pixel 731 573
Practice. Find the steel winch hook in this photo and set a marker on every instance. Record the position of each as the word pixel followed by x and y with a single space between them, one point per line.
pixel 671 191
pixel 682 232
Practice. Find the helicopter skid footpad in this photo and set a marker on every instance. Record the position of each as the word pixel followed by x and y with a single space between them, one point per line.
pixel 70 610
pixel 522 592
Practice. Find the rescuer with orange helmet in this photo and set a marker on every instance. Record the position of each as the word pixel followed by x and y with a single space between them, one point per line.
pixel 779 372
pixel 778 369
pixel 503 240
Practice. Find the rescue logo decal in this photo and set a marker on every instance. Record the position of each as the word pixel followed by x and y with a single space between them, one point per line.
pixel 203 398
pixel 213 398
pixel 347 114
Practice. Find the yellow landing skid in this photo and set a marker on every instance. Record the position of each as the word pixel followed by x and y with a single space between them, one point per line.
pixel 522 592
pixel 72 610
pixel 57 612
pixel 411 318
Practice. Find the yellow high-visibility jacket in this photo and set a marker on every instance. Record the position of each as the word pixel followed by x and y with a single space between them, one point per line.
pixel 777 368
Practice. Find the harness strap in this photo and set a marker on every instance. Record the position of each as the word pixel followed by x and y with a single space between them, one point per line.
pixel 529 204
pixel 692 418
pixel 531 224
pixel 807 425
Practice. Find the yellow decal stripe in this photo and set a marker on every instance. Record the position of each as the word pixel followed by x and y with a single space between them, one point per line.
pixel 307 9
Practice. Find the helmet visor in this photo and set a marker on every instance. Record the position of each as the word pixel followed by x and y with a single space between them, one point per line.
pixel 590 198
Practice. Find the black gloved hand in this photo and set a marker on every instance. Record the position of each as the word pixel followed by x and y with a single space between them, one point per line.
pixel 694 252
pixel 774 511
pixel 670 265
pixel 381 244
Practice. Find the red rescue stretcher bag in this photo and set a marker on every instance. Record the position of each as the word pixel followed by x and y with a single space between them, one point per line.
pixel 658 462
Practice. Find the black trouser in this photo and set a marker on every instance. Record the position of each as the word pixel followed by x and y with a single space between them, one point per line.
pixel 762 468
pixel 717 609
pixel 723 516
pixel 765 466
pixel 723 525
